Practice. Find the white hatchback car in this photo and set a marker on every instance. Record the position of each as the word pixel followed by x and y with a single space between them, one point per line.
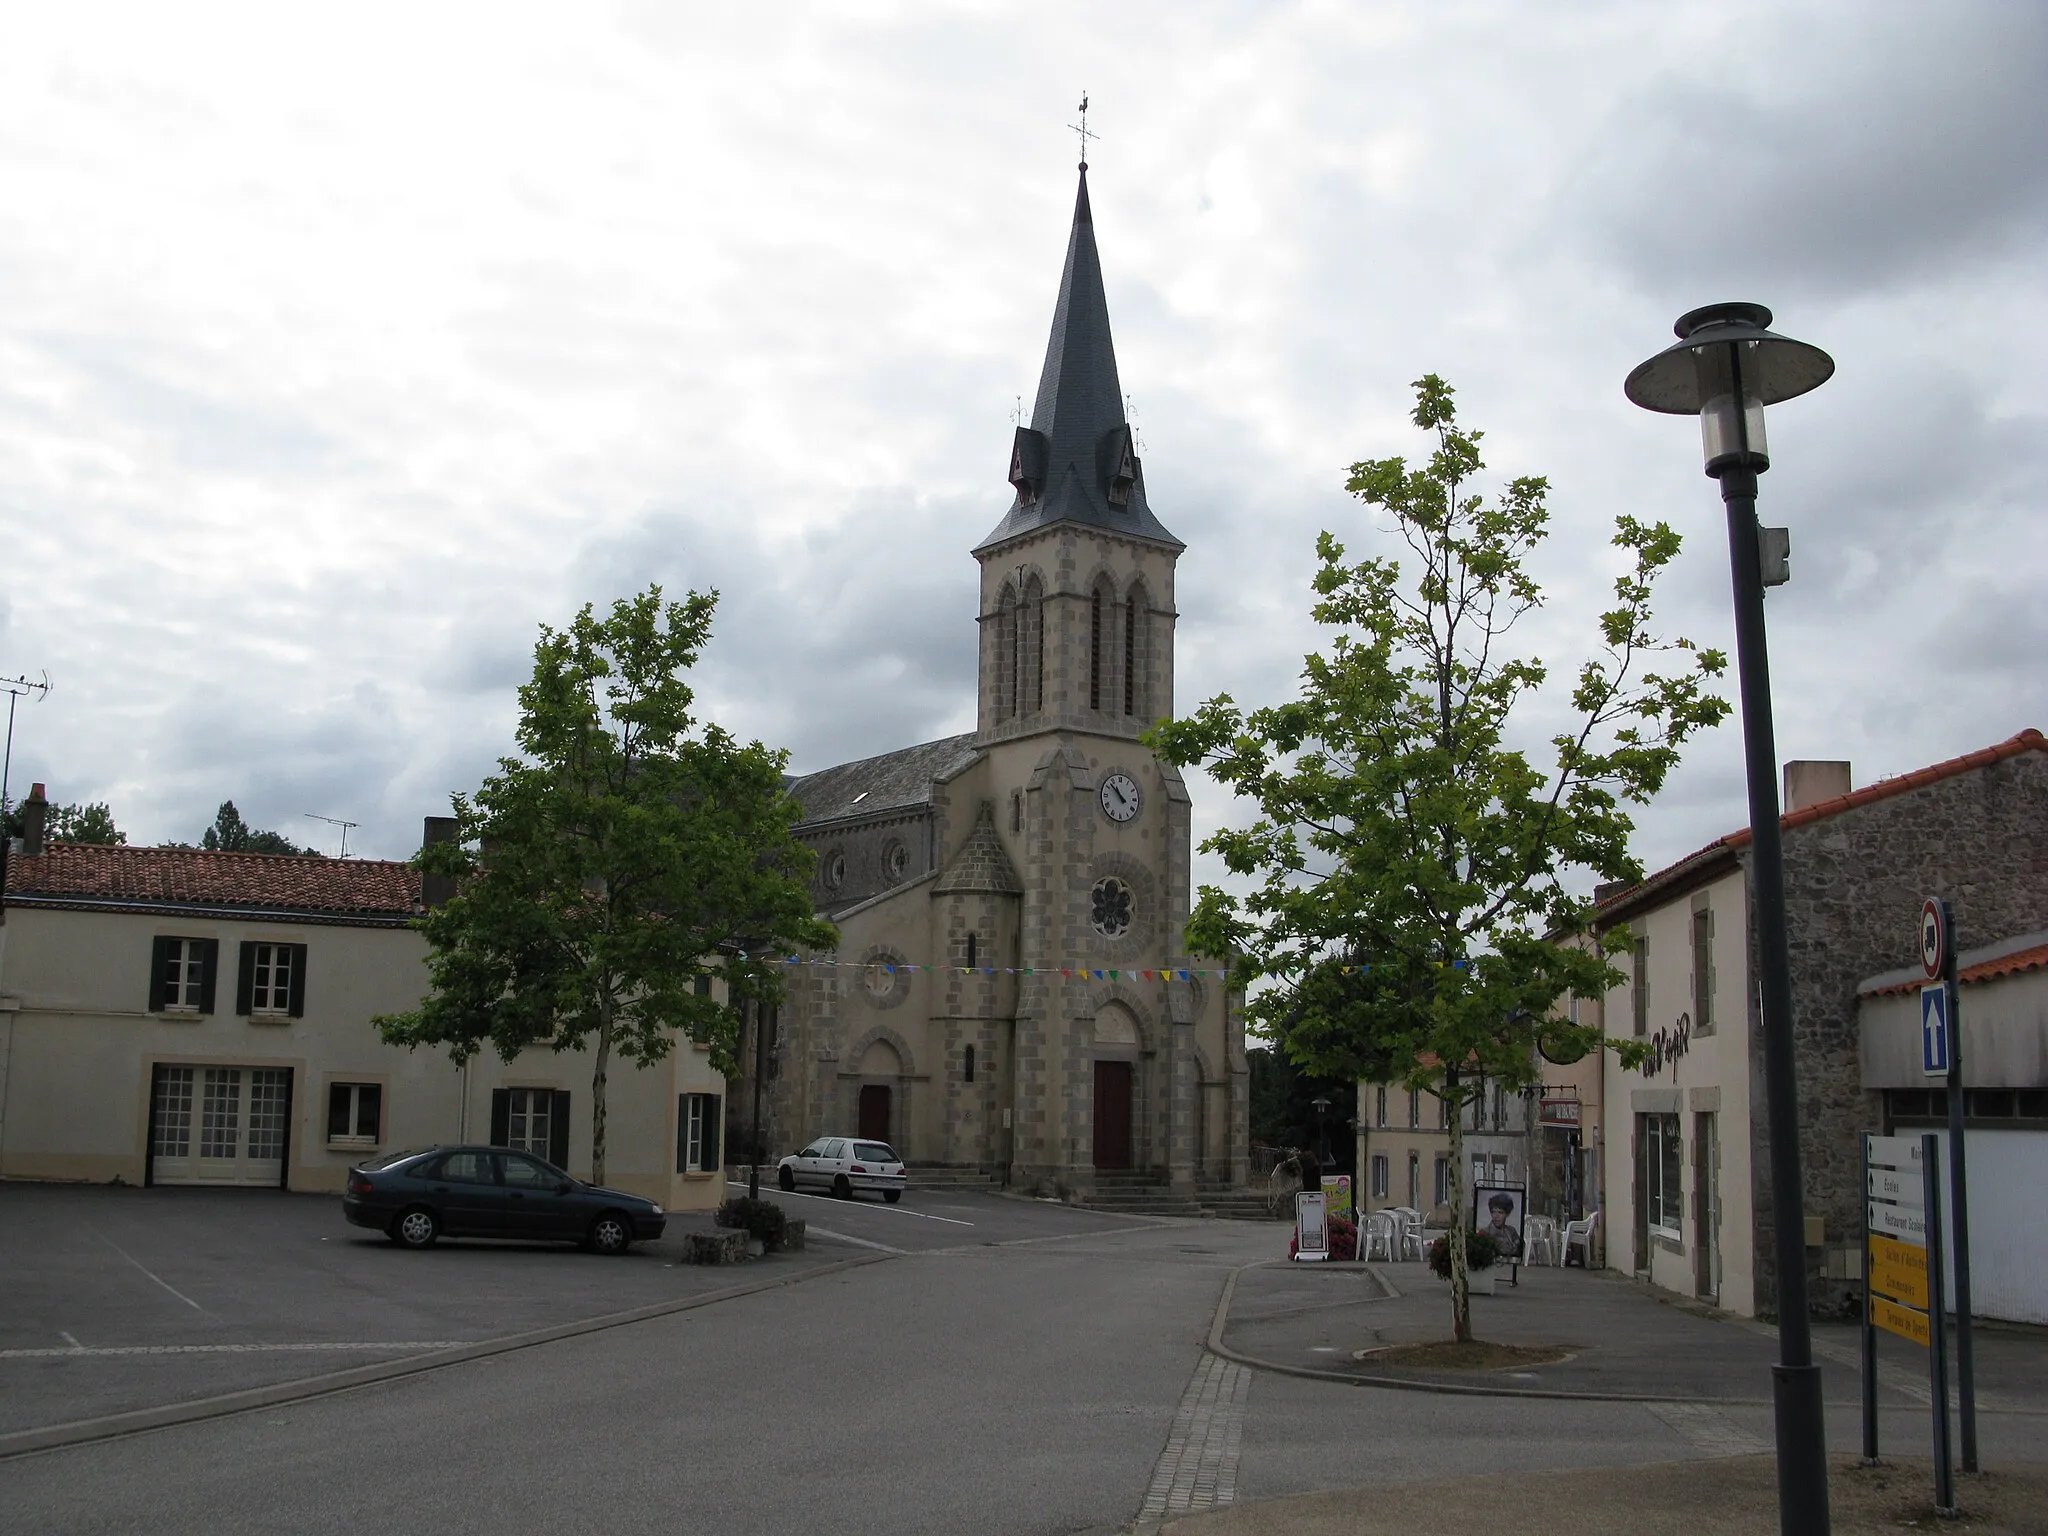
pixel 846 1165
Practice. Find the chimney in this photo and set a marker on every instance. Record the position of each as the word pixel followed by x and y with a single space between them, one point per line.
pixel 1607 890
pixel 437 889
pixel 35 819
pixel 1809 783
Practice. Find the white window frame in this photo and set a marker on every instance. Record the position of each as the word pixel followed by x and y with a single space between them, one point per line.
pixel 524 1108
pixel 270 998
pixel 355 1137
pixel 185 994
pixel 1381 1172
pixel 1662 1135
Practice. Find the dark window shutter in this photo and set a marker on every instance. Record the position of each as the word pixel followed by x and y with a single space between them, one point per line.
pixel 711 1142
pixel 683 1132
pixel 298 1002
pixel 209 965
pixel 501 1116
pixel 245 979
pixel 159 962
pixel 558 1130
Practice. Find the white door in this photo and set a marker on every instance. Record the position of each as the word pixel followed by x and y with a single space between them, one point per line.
pixel 220 1125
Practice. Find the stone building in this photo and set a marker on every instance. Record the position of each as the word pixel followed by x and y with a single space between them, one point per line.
pixel 1687 1179
pixel 1011 992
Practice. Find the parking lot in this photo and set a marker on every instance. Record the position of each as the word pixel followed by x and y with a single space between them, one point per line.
pixel 120 1298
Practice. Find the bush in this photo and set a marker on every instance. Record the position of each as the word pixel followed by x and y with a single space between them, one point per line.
pixel 763 1219
pixel 1343 1240
pixel 1481 1252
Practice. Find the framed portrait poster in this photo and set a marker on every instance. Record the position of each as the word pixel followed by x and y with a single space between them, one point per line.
pixel 1497 1210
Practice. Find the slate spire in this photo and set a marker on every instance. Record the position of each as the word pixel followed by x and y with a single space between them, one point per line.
pixel 1076 462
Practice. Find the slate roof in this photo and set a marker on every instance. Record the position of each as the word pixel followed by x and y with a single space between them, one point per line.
pixel 981 864
pixel 1722 853
pixel 1080 401
pixel 893 781
pixel 82 875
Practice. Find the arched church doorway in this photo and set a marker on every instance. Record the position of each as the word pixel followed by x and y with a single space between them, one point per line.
pixel 874 1112
pixel 1112 1114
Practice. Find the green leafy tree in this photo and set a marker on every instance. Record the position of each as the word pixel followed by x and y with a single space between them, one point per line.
pixel 599 875
pixel 1409 915
pixel 92 823
pixel 230 834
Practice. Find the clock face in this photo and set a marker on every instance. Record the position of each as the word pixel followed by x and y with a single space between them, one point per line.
pixel 1120 798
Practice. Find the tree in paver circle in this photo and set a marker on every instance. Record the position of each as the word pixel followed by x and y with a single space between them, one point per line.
pixel 599 874
pixel 1406 913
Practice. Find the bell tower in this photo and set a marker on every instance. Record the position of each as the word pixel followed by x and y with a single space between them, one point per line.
pixel 1077 605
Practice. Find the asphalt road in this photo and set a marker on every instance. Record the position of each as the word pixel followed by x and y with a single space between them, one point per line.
pixel 1010 1368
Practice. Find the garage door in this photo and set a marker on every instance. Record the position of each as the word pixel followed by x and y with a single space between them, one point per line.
pixel 219 1125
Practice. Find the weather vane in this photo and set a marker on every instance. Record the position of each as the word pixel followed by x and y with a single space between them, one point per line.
pixel 1082 129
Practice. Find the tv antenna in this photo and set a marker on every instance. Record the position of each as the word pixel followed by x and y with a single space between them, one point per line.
pixel 17 687
pixel 336 821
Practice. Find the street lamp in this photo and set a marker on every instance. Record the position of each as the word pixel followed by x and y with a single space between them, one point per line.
pixel 1322 1108
pixel 1726 367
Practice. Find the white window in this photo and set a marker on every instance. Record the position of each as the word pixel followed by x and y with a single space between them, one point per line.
pixel 1661 1164
pixel 1414 1108
pixel 1379 1175
pixel 697 1144
pixel 1443 1180
pixel 355 1114
pixel 530 1120
pixel 183 977
pixel 1380 1104
pixel 1639 988
pixel 270 984
pixel 1500 1169
pixel 1703 970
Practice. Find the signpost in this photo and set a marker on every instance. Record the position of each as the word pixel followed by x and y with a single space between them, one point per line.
pixel 1902 1281
pixel 1941 1055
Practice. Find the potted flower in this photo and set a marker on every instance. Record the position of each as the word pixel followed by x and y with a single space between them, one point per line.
pixel 1481 1253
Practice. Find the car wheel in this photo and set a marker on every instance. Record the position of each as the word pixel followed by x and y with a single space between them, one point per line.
pixel 892 1195
pixel 610 1234
pixel 786 1179
pixel 842 1187
pixel 416 1228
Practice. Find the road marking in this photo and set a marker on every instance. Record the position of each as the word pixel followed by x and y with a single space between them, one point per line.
pixel 890 1210
pixel 78 1350
pixel 69 1340
pixel 1198 1468
pixel 1708 1430
pixel 159 1279
pixel 858 1242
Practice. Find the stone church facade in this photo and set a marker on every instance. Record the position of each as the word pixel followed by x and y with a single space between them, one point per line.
pixel 1025 862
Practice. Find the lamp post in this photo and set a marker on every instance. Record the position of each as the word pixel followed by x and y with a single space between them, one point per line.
pixel 1725 368
pixel 1321 1106
pixel 736 949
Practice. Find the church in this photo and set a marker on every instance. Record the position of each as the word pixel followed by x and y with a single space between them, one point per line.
pixel 1011 993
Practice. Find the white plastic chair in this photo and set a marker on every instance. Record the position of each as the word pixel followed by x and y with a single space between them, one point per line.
pixel 1407 1232
pixel 1580 1232
pixel 1381 1228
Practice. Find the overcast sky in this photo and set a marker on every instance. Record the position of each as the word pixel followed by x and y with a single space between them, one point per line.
pixel 340 348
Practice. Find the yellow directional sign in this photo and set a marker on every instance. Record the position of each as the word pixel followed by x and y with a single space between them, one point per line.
pixel 1903 1321
pixel 1898 1270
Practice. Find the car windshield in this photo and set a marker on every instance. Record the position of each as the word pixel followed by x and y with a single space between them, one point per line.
pixel 873 1152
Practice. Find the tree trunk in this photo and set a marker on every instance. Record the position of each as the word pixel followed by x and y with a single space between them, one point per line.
pixel 1461 1280
pixel 597 1087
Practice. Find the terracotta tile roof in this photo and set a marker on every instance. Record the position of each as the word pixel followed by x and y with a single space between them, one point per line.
pixel 79 874
pixel 1710 859
pixel 2033 958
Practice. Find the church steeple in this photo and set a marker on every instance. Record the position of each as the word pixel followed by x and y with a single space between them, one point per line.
pixel 1076 462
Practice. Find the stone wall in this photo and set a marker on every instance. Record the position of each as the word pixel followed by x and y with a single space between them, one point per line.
pixel 1854 882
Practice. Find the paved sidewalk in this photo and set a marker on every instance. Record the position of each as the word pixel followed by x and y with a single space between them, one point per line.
pixel 1625 1340
pixel 1726 1496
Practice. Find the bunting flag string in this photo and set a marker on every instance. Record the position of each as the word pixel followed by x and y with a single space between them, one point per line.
pixel 1066 972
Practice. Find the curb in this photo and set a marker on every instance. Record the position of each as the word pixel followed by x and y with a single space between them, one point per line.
pixel 114 1426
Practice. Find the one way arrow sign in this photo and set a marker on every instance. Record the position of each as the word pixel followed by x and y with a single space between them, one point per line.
pixel 1935 1045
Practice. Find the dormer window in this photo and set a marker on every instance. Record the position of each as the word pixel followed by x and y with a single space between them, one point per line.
pixel 1028 452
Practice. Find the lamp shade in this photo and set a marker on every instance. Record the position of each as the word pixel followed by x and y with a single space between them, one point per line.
pixel 1773 367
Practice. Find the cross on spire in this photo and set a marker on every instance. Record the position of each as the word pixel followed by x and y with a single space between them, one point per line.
pixel 1084 131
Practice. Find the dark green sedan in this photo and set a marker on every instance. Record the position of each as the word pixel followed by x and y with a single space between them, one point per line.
pixel 416 1197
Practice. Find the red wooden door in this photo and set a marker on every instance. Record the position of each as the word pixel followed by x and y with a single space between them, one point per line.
pixel 874 1113
pixel 1112 1114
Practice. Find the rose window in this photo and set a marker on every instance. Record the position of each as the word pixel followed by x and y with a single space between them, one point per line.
pixel 1110 907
